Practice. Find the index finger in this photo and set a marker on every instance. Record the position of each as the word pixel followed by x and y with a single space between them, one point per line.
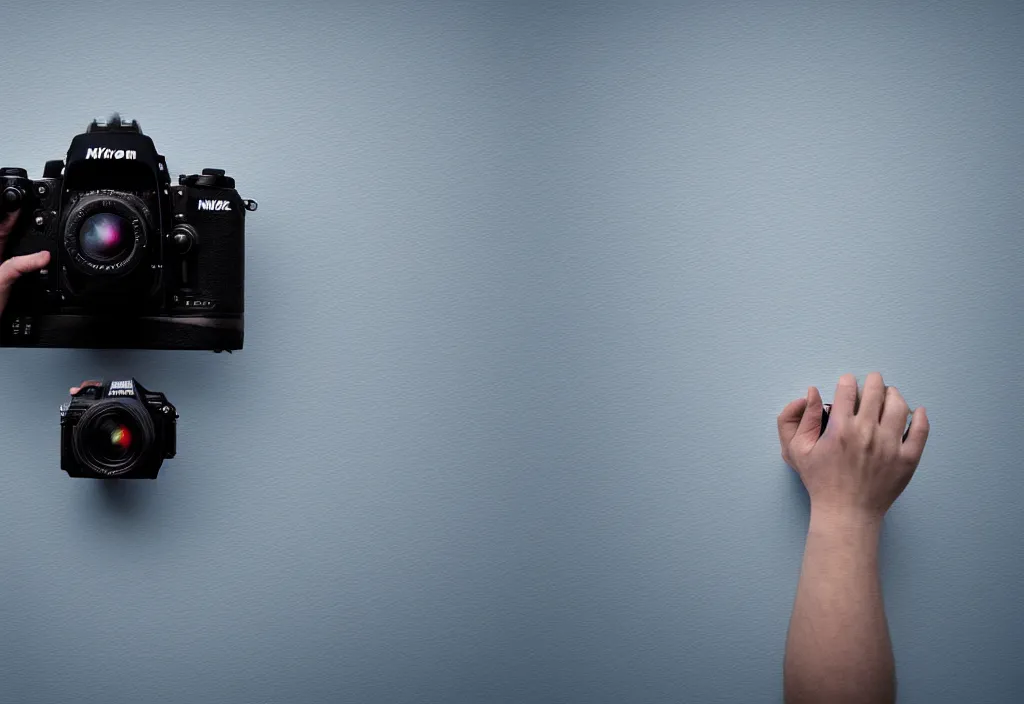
pixel 917 436
pixel 789 420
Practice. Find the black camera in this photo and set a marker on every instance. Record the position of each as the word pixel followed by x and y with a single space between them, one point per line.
pixel 134 261
pixel 117 430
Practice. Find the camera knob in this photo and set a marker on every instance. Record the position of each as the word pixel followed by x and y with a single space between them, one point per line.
pixel 13 171
pixel 214 178
pixel 184 238
pixel 12 199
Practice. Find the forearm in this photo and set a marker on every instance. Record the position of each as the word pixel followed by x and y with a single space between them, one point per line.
pixel 838 649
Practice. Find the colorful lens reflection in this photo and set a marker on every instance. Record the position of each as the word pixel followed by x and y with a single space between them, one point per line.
pixel 122 437
pixel 105 237
pixel 110 440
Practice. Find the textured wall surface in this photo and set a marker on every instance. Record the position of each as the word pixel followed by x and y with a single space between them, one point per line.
pixel 526 289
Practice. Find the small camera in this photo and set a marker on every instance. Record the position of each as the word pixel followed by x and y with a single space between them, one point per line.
pixel 135 262
pixel 117 430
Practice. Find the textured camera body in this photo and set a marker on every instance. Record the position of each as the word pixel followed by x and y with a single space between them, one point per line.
pixel 147 413
pixel 178 280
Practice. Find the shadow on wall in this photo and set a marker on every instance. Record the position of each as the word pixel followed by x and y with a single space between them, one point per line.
pixel 125 499
pixel 800 494
pixel 798 505
pixel 134 513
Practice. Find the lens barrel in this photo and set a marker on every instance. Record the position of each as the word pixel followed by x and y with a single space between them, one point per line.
pixel 114 436
pixel 106 234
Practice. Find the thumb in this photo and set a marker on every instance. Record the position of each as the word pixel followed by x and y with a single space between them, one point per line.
pixel 809 430
pixel 12 269
pixel 789 420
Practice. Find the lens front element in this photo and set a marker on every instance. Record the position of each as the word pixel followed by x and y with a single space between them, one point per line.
pixel 106 238
pixel 110 440
pixel 106 234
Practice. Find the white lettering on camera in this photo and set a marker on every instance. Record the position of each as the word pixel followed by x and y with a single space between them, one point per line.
pixel 122 388
pixel 104 153
pixel 215 205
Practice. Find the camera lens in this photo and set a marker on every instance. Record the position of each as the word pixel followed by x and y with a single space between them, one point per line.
pixel 105 238
pixel 105 234
pixel 114 436
pixel 110 440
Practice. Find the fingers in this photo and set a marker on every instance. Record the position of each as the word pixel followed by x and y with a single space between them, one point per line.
pixel 75 389
pixel 917 436
pixel 6 223
pixel 845 401
pixel 809 430
pixel 894 413
pixel 873 398
pixel 788 422
pixel 14 267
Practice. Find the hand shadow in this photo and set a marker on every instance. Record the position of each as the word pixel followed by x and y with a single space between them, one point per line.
pixel 801 517
pixel 130 512
pixel 126 499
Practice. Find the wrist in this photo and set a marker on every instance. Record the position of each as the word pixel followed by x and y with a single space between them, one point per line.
pixel 845 520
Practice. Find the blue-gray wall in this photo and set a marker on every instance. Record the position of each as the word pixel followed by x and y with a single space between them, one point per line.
pixel 527 287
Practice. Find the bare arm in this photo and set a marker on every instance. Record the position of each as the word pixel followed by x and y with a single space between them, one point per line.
pixel 838 648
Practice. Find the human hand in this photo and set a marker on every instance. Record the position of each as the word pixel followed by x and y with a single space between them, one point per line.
pixel 75 389
pixel 15 267
pixel 861 464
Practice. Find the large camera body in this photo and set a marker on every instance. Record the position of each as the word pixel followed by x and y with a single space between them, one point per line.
pixel 117 430
pixel 135 262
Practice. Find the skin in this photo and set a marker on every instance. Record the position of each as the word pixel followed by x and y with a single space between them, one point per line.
pixel 15 267
pixel 12 269
pixel 838 648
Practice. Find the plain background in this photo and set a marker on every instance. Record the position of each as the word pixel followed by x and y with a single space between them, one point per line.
pixel 527 287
